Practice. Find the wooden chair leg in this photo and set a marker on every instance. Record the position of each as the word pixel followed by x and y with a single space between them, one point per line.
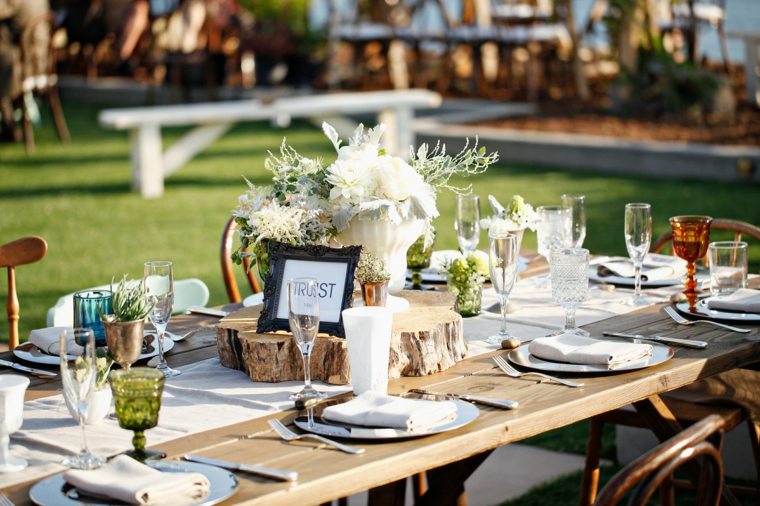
pixel 13 309
pixel 590 481
pixel 754 436
pixel 58 118
pixel 419 483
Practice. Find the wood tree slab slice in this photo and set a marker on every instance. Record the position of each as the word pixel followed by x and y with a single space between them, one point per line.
pixel 426 339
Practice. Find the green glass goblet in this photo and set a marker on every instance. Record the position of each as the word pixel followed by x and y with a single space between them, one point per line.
pixel 137 395
pixel 417 258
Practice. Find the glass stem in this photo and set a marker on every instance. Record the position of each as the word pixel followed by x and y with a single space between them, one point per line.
pixel 503 303
pixel 637 279
pixel 84 450
pixel 569 318
pixel 138 441
pixel 307 370
pixel 161 359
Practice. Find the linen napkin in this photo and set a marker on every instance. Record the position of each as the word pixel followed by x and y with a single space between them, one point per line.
pixel 373 409
pixel 47 340
pixel 583 350
pixel 655 268
pixel 127 480
pixel 744 300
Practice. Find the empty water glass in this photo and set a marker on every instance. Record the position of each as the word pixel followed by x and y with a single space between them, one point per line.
pixel 577 204
pixel 728 266
pixel 467 223
pixel 554 230
pixel 569 274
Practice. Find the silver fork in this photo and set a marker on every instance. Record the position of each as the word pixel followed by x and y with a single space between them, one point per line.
pixel 511 371
pixel 5 500
pixel 289 435
pixel 683 321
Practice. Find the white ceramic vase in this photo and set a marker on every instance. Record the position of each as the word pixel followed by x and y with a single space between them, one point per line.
pixel 98 405
pixel 386 240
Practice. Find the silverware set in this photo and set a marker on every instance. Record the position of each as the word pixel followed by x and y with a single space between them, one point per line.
pixel 683 321
pixel 289 435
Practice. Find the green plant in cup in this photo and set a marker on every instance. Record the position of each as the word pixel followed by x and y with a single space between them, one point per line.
pixel 137 395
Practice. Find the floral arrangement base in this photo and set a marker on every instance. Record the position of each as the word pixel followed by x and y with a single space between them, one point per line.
pixel 426 339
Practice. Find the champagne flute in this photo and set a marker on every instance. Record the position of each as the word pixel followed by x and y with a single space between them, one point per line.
pixel 78 378
pixel 467 223
pixel 303 315
pixel 502 263
pixel 569 273
pixel 159 289
pixel 638 236
pixel 12 389
pixel 577 204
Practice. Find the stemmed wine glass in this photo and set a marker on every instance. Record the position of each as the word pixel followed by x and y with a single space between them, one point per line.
pixel 554 230
pixel 12 389
pixel 638 236
pixel 502 263
pixel 691 238
pixel 78 378
pixel 467 224
pixel 577 204
pixel 159 289
pixel 569 273
pixel 303 315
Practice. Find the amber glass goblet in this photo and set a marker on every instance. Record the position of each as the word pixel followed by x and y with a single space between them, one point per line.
pixel 691 238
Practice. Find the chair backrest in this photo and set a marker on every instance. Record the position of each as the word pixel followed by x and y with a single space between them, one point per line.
pixel 228 273
pixel 739 228
pixel 19 252
pixel 643 476
pixel 187 292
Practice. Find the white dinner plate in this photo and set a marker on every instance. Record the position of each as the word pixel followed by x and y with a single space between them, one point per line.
pixel 30 353
pixel 54 491
pixel 716 314
pixel 253 299
pixel 466 413
pixel 520 356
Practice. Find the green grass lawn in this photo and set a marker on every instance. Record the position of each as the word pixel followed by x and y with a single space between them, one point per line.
pixel 78 198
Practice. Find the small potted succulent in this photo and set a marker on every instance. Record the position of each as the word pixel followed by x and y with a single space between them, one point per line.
pixel 99 399
pixel 125 327
pixel 373 277
pixel 465 277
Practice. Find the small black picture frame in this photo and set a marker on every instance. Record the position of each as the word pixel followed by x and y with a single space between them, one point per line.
pixel 333 268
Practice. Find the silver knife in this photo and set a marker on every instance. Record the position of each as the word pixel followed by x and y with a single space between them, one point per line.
pixel 486 401
pixel 208 311
pixel 31 370
pixel 267 472
pixel 687 343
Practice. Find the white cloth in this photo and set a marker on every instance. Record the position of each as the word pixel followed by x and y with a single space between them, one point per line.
pixel 127 480
pixel 744 299
pixel 585 350
pixel 373 409
pixel 654 268
pixel 47 340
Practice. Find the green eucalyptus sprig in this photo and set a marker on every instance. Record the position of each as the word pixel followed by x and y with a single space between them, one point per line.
pixel 129 301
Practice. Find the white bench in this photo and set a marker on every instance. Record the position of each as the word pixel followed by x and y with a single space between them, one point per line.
pixel 751 41
pixel 150 164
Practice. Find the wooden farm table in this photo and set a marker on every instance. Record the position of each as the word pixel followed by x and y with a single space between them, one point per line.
pixel 449 458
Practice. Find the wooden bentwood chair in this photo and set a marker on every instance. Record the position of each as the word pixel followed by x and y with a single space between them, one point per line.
pixel 228 273
pixel 651 471
pixel 684 412
pixel 19 252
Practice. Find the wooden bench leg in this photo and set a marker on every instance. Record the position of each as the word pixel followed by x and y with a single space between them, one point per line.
pixel 147 161
pixel 590 481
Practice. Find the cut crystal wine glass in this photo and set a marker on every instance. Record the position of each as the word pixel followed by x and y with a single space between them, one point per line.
pixel 303 315
pixel 569 273
pixel 78 378
pixel 159 289
pixel 554 231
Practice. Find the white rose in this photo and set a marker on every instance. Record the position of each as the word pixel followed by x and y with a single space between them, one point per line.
pixel 395 179
pixel 349 181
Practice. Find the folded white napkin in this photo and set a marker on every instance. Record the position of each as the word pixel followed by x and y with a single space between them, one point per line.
pixel 127 480
pixel 373 409
pixel 47 340
pixel 576 349
pixel 744 300
pixel 655 268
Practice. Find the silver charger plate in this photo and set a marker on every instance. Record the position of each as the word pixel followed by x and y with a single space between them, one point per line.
pixel 54 491
pixel 30 353
pixel 520 356
pixel 704 311
pixel 466 413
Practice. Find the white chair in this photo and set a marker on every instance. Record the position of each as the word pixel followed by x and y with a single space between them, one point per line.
pixel 187 292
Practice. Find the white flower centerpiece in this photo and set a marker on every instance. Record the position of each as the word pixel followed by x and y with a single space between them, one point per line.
pixel 514 218
pixel 365 196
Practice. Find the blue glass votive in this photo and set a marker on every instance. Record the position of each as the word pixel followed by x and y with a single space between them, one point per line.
pixel 86 305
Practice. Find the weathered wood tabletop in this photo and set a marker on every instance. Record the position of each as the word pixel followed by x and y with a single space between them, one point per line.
pixel 326 474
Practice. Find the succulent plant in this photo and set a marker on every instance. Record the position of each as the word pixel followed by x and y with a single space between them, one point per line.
pixel 129 302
